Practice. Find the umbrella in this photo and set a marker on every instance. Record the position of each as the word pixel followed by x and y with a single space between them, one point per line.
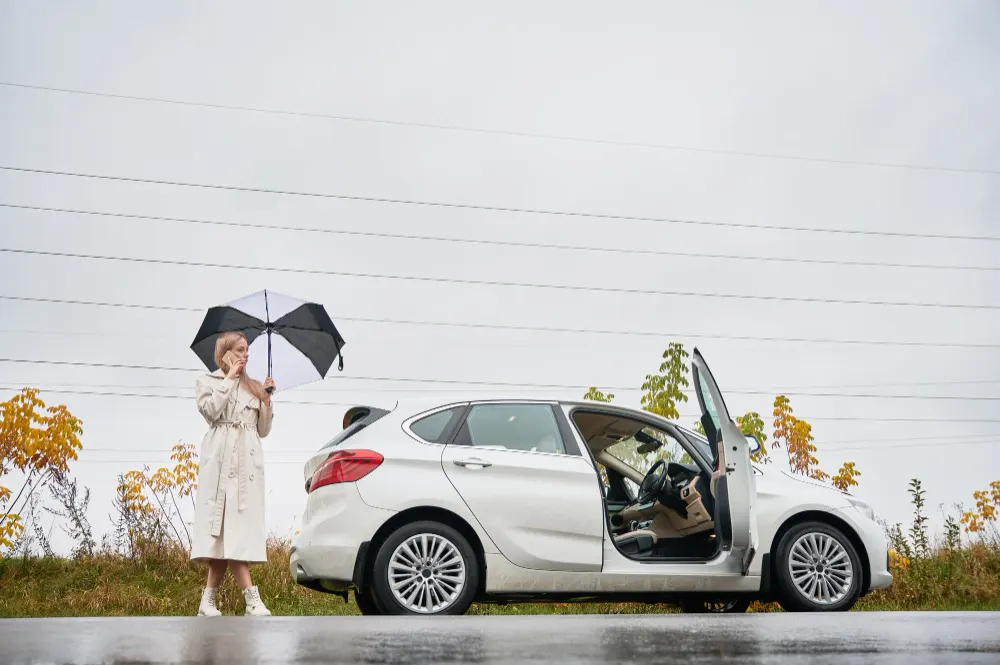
pixel 292 341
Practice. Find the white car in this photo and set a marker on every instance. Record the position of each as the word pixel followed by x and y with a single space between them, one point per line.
pixel 429 507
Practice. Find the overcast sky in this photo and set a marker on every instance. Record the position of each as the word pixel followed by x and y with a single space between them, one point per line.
pixel 905 83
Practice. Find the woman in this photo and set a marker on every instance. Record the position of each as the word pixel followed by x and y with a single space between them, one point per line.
pixel 229 511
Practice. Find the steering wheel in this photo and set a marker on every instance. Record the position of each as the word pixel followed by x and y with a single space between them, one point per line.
pixel 655 483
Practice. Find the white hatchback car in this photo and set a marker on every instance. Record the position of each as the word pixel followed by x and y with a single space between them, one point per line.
pixel 427 508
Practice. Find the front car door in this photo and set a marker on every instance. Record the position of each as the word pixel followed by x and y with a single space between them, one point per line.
pixel 733 484
pixel 519 469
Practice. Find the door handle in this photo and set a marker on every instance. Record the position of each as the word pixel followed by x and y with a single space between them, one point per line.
pixel 473 461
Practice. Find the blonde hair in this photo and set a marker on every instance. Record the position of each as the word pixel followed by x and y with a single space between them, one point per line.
pixel 223 345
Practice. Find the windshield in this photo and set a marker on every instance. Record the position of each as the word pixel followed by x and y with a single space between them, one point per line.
pixel 701 445
pixel 631 452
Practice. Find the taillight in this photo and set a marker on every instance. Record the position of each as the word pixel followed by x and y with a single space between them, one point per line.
pixel 345 466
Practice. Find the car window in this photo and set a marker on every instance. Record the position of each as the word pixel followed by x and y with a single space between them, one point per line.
pixel 706 394
pixel 528 427
pixel 627 451
pixel 432 428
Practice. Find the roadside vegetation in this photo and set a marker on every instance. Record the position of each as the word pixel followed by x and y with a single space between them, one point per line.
pixel 141 566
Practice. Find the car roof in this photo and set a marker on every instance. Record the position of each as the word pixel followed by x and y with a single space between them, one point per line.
pixel 415 405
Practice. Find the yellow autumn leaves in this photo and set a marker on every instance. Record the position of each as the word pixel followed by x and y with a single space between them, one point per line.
pixel 985 514
pixel 37 441
pixel 797 436
pixel 148 503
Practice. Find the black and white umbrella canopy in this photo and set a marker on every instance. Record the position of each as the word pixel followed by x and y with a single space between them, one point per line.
pixel 292 341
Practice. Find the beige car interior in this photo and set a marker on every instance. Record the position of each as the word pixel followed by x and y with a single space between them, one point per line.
pixel 602 431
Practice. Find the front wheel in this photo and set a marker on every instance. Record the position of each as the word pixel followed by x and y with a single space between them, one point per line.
pixel 818 569
pixel 425 568
pixel 715 605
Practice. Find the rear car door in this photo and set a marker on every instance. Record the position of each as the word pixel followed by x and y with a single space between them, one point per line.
pixel 518 468
pixel 734 484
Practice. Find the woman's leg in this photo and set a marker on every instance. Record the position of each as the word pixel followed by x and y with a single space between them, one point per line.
pixel 241 573
pixel 217 572
pixel 255 606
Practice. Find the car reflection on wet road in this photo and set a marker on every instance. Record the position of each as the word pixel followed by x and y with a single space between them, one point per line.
pixel 856 637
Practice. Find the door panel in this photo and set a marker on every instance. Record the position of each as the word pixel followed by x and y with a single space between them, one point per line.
pixel 736 492
pixel 543 510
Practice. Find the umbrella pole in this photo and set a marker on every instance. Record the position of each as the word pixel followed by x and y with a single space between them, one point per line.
pixel 269 388
pixel 267 313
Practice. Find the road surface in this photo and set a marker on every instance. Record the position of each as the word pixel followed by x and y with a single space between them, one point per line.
pixel 649 640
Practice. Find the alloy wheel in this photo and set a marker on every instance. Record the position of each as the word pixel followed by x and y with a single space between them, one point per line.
pixel 820 568
pixel 426 573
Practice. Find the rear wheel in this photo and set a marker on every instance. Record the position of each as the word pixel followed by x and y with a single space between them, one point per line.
pixel 715 606
pixel 818 569
pixel 425 568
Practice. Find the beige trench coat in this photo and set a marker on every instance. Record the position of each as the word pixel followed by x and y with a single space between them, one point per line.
pixel 229 507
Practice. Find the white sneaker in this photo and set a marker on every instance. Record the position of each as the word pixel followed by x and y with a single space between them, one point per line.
pixel 207 607
pixel 255 606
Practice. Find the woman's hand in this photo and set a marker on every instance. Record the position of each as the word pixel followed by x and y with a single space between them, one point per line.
pixel 236 366
pixel 268 384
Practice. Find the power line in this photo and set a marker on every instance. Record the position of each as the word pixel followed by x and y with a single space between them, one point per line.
pixel 167 463
pixel 485 282
pixel 895 385
pixel 170 463
pixel 484 386
pixel 497 384
pixel 499 132
pixel 517 328
pixel 942 441
pixel 498 243
pixel 682 416
pixel 152 396
pixel 533 386
pixel 488 208
pixel 823 445
pixel 960 441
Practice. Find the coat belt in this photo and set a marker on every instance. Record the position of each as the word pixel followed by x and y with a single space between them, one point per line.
pixel 241 470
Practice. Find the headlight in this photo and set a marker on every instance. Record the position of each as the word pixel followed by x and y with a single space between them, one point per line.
pixel 865 509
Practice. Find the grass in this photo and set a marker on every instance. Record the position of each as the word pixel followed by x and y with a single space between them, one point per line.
pixel 167 583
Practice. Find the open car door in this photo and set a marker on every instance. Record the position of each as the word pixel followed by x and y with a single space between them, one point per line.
pixel 733 482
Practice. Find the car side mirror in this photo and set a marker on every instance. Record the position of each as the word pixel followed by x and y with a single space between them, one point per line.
pixel 753 443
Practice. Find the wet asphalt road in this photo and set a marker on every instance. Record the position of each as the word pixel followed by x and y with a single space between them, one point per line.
pixel 650 640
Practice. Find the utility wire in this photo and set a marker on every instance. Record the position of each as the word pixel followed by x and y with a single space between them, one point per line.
pixel 942 442
pixel 165 463
pixel 500 243
pixel 484 282
pixel 170 463
pixel 773 391
pixel 990 439
pixel 690 416
pixel 183 397
pixel 497 132
pixel 516 328
pixel 523 386
pixel 489 208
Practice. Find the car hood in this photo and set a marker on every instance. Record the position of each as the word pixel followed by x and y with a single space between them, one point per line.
pixel 776 474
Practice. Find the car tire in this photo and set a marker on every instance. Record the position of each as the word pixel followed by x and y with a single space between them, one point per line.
pixel 447 571
pixel 811 577
pixel 718 606
pixel 366 602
